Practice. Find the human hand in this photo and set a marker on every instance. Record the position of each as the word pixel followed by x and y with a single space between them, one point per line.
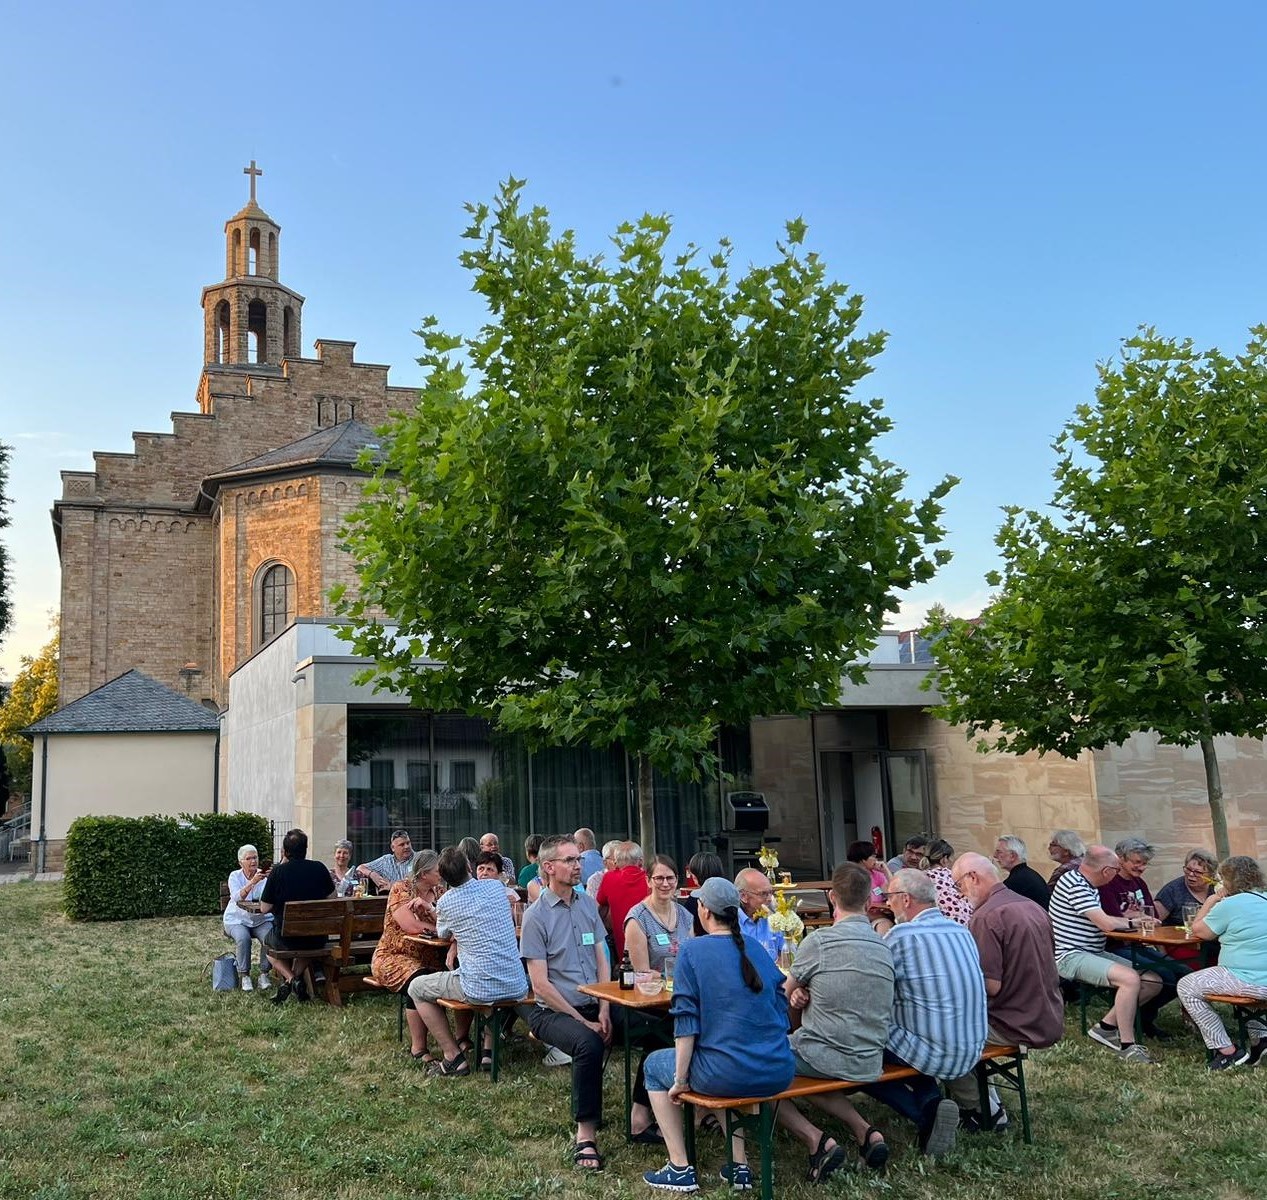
pixel 675 1092
pixel 798 998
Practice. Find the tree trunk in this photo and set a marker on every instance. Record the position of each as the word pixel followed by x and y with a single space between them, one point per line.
pixel 646 808
pixel 1214 790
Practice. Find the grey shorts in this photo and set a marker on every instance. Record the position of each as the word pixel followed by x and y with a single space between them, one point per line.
pixel 438 985
pixel 1091 966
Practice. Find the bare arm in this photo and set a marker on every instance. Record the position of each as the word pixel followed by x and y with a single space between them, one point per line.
pixel 1199 927
pixel 684 1050
pixel 1106 924
pixel 636 944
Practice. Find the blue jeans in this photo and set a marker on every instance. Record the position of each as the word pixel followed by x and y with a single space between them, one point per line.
pixel 242 935
pixel 910 1098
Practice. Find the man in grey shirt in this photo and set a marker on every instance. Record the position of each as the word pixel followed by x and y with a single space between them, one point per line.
pixel 563 943
pixel 841 985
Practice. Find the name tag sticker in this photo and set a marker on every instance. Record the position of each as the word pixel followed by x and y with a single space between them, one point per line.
pixel 661 939
pixel 587 939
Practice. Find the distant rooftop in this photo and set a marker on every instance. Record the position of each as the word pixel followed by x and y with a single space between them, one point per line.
pixel 131 703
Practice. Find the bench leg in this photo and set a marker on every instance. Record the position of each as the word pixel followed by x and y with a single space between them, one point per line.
pixel 766 1134
pixel 688 1130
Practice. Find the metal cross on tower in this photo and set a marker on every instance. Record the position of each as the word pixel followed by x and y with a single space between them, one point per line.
pixel 252 171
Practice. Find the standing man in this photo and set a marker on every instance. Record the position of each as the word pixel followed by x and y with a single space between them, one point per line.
pixel 939 1021
pixel 1010 854
pixel 295 878
pixel 490 844
pixel 562 942
pixel 393 866
pixel 1024 1006
pixel 840 992
pixel 756 896
pixel 591 860
pixel 620 890
pixel 1080 925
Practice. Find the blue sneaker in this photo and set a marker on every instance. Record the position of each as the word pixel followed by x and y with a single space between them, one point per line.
pixel 673 1179
pixel 738 1175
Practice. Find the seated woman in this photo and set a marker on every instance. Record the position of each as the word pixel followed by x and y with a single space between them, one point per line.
pixel 731 1033
pixel 489 865
pixel 700 868
pixel 1194 886
pixel 411 912
pixel 864 854
pixel 936 865
pixel 246 884
pixel 528 872
pixel 1237 916
pixel 341 873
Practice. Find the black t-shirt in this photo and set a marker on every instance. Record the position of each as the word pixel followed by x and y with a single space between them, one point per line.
pixel 296 879
pixel 1025 881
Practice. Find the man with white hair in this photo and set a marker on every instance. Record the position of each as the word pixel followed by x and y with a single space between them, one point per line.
pixel 756 899
pixel 1023 1002
pixel 1010 853
pixel 620 890
pixel 939 1009
pixel 591 860
pixel 1080 926
pixel 1066 850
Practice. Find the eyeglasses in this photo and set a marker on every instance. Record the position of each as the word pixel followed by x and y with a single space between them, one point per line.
pixel 568 860
pixel 959 882
pixel 664 879
pixel 890 895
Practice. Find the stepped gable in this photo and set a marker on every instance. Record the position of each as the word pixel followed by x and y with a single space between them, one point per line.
pixel 131 703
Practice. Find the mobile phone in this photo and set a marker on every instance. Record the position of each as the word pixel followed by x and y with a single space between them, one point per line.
pixel 266 865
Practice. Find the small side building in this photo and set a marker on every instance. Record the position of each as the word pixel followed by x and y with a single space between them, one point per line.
pixel 131 748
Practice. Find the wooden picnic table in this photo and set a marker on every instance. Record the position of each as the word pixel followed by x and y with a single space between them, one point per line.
pixel 651 1007
pixel 1165 936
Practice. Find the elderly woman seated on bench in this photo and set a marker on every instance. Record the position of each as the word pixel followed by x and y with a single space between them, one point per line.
pixel 246 886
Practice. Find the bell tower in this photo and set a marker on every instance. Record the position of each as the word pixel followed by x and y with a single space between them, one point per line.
pixel 250 318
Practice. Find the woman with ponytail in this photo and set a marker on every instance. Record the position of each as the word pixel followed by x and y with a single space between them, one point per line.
pixel 730 1016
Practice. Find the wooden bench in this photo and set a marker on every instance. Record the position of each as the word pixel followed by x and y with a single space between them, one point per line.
pixel 352 926
pixel 1245 1009
pixel 486 1016
pixel 1002 1064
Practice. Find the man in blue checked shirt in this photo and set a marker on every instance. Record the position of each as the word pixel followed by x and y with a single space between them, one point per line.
pixel 939 1011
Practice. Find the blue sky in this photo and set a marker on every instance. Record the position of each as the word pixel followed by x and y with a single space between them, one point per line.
pixel 1013 188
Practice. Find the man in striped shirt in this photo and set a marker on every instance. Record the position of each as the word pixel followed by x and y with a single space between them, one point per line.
pixel 939 1013
pixel 1079 925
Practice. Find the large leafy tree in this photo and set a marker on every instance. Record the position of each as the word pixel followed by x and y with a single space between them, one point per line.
pixel 650 508
pixel 1139 603
pixel 32 696
pixel 6 605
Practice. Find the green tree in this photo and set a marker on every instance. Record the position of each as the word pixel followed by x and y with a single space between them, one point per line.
pixel 32 696
pixel 1138 605
pixel 6 604
pixel 652 507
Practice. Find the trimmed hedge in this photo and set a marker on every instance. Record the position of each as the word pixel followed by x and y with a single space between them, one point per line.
pixel 122 868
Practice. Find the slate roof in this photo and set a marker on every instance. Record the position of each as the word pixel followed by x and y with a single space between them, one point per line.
pixel 132 703
pixel 336 446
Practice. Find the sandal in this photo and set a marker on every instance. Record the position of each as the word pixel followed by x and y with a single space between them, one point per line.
pixel 424 1058
pixel 710 1122
pixel 651 1136
pixel 874 1154
pixel 486 1060
pixel 824 1162
pixel 451 1066
pixel 465 1045
pixel 585 1156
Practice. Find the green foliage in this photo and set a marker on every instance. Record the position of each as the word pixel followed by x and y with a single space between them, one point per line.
pixel 32 697
pixel 121 868
pixel 1138 605
pixel 652 507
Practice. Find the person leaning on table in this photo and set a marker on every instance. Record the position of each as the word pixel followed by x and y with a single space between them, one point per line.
pixel 247 884
pixel 295 878
pixel 393 866
pixel 730 1026
pixel 1237 916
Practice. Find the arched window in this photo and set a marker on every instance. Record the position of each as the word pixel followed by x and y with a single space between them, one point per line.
pixel 276 601
pixel 222 331
pixel 271 268
pixel 257 332
pixel 237 253
pixel 254 253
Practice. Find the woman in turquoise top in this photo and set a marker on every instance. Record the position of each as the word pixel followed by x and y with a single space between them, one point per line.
pixel 1236 914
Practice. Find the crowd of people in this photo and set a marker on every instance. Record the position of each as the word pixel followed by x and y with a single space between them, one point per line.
pixel 928 959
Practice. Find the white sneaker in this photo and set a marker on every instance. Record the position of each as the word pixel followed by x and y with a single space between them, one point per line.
pixel 265 982
pixel 556 1058
pixel 246 984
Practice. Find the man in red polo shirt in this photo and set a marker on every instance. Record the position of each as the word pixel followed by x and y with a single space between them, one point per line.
pixel 620 890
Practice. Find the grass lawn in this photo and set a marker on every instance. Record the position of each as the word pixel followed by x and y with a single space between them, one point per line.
pixel 123 1075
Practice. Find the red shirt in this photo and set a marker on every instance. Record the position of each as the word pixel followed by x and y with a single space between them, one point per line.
pixel 620 891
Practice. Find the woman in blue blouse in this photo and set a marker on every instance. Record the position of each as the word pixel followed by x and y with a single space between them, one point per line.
pixel 731 1035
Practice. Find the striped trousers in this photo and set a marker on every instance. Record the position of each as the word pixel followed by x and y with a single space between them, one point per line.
pixel 1193 990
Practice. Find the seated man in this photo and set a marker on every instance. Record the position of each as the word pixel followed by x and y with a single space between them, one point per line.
pixel 1066 850
pixel 393 866
pixel 295 878
pixel 475 914
pixel 1080 924
pixel 939 1020
pixel 756 900
pixel 564 944
pixel 620 890
pixel 490 842
pixel 840 990
pixel 1010 853
pixel 1024 1006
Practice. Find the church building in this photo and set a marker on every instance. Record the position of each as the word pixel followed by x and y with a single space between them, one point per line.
pixel 201 666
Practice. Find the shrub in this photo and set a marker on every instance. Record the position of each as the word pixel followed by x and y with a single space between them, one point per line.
pixel 121 868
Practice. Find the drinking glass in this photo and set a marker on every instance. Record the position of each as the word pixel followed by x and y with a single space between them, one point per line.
pixel 1147 919
pixel 670 964
pixel 1189 912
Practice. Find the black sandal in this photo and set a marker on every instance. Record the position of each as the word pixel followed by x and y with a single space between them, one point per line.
pixel 824 1162
pixel 874 1154
pixel 486 1060
pixel 424 1058
pixel 587 1153
pixel 451 1066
